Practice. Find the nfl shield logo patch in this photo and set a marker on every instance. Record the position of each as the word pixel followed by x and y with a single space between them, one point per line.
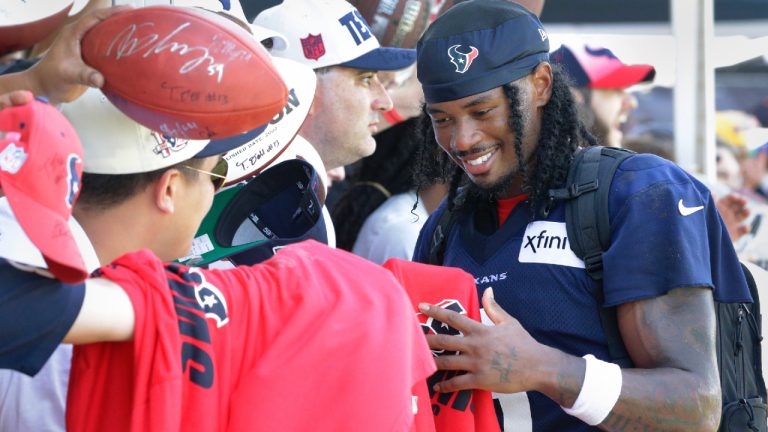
pixel 313 46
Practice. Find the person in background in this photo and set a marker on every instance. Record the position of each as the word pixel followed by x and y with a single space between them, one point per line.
pixel 599 83
pixel 381 213
pixel 331 37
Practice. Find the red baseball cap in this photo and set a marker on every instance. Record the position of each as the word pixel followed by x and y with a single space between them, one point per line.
pixel 599 68
pixel 41 164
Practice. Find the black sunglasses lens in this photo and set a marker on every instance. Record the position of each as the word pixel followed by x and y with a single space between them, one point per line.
pixel 220 169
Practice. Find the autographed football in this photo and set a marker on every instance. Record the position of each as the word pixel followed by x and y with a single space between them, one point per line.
pixel 24 23
pixel 397 23
pixel 185 72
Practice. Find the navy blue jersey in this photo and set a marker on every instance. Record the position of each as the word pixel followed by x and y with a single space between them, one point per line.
pixel 665 233
pixel 36 312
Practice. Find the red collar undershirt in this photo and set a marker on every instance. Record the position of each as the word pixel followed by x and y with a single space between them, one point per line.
pixel 505 206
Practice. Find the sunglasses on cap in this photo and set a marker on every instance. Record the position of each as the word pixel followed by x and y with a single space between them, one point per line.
pixel 218 174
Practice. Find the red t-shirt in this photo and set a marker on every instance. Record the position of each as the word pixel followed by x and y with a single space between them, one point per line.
pixel 451 288
pixel 312 339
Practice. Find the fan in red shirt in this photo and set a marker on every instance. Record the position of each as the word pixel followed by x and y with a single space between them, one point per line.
pixel 284 345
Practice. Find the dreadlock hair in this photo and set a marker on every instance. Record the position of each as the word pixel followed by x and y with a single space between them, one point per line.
pixel 561 133
pixel 432 164
pixel 385 173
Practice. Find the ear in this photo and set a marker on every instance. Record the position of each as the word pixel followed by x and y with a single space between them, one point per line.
pixel 166 190
pixel 542 84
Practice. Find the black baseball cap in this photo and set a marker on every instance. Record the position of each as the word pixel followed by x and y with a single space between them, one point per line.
pixel 478 45
pixel 252 220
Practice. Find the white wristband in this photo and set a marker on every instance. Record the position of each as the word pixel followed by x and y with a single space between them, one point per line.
pixel 599 393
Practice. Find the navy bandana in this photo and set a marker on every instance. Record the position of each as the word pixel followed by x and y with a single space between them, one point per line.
pixel 478 45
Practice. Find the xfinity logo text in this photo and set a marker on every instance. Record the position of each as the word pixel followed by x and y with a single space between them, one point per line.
pixel 547 243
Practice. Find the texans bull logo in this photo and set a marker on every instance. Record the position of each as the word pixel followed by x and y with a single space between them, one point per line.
pixel 461 60
pixel 73 179
pixel 211 300
pixel 167 144
pixel 433 326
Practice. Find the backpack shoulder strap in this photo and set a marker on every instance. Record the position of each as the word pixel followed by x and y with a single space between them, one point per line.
pixel 445 223
pixel 588 225
pixel 586 210
pixel 753 274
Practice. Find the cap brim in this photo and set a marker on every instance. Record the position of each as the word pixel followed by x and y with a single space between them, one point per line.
pixel 279 42
pixel 221 146
pixel 383 58
pixel 625 76
pixel 50 233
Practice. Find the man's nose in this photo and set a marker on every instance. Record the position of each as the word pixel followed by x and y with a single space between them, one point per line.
pixel 465 136
pixel 628 102
pixel 381 100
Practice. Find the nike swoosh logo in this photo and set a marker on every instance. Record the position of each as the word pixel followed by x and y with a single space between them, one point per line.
pixel 687 211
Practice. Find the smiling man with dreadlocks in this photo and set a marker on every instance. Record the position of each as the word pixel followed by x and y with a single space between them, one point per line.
pixel 507 125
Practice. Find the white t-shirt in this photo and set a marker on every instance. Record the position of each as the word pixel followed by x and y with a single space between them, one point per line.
pixel 391 230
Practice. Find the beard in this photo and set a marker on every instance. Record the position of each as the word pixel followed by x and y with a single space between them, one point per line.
pixel 497 190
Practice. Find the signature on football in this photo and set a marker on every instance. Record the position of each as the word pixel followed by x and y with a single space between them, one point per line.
pixel 127 43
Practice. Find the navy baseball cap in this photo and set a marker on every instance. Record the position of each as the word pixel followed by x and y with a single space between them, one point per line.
pixel 250 221
pixel 599 68
pixel 223 145
pixel 478 45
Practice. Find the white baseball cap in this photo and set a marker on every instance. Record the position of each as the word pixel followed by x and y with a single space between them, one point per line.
pixel 756 139
pixel 230 7
pixel 257 148
pixel 115 144
pixel 324 33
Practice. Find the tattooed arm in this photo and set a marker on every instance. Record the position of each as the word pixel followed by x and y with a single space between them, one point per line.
pixel 671 340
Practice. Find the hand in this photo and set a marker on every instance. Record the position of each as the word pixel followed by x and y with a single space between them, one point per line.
pixel 18 97
pixel 733 209
pixel 62 75
pixel 502 358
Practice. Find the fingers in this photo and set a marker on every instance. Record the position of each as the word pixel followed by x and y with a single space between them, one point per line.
pixel 81 26
pixel 494 311
pixel 460 382
pixel 18 97
pixel 87 75
pixel 460 322
pixel 734 202
pixel 455 362
pixel 440 342
pixel 741 230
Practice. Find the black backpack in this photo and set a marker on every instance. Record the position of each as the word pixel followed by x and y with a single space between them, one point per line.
pixel 738 324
